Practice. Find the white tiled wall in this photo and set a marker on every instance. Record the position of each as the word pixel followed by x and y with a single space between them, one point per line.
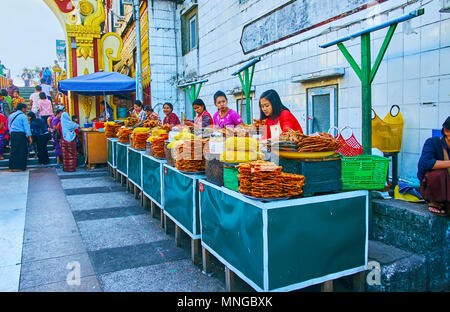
pixel 414 71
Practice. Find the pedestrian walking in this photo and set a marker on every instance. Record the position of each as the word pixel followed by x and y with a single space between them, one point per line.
pixel 47 75
pixel 7 98
pixel 68 142
pixel 45 107
pixel 47 89
pixel 56 134
pixel 39 133
pixel 4 107
pixel 2 69
pixel 20 136
pixel 11 88
pixel 2 134
pixel 16 99
pixel 34 99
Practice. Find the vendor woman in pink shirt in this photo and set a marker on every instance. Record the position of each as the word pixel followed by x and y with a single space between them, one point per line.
pixel 45 107
pixel 225 117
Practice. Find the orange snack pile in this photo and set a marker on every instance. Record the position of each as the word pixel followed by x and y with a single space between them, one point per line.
pixel 263 179
pixel 124 135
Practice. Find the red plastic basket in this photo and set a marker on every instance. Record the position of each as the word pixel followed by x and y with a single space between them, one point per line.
pixel 351 145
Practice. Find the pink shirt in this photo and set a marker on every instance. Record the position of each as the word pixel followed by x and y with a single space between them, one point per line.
pixel 45 107
pixel 232 119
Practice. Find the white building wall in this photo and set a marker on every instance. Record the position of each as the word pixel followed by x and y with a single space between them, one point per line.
pixel 414 74
pixel 164 43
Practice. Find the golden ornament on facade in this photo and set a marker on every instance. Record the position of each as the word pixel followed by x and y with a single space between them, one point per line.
pixel 86 8
pixel 85 52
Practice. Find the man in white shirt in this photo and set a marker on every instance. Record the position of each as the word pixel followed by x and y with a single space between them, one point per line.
pixel 34 98
pixel 47 90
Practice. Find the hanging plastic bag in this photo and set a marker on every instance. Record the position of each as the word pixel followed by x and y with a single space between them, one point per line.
pixel 387 134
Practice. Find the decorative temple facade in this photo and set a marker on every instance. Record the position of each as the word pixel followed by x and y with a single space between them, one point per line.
pixel 90 46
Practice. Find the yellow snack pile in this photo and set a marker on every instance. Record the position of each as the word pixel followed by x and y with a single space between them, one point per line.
pixel 238 156
pixel 241 144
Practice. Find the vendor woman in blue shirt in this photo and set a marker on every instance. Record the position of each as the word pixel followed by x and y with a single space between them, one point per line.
pixel 434 172
pixel 20 136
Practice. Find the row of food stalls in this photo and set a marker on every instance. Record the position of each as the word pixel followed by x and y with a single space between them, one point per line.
pixel 278 218
pixel 282 215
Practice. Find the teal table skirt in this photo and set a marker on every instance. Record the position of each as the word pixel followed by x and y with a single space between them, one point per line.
pixel 288 244
pixel 181 199
pixel 152 172
pixel 135 166
pixel 114 144
pixel 112 152
pixel 122 158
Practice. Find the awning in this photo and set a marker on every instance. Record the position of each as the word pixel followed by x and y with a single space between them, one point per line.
pixel 99 83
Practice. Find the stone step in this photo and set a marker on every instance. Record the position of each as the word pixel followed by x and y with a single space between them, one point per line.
pixel 50 154
pixel 50 147
pixel 412 228
pixel 392 269
pixel 4 164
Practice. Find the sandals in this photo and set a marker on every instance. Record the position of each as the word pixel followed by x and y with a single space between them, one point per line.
pixel 437 210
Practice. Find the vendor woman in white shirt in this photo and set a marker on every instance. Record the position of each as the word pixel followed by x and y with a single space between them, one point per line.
pixel 138 111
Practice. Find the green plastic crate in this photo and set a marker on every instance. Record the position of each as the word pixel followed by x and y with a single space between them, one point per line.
pixel 230 177
pixel 367 172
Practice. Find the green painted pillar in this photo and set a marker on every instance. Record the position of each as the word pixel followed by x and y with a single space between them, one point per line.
pixel 366 67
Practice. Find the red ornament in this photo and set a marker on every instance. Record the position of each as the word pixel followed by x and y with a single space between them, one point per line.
pixel 65 6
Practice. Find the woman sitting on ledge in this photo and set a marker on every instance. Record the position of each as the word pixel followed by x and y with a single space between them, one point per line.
pixel 434 172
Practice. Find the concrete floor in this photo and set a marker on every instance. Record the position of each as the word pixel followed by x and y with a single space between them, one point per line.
pixel 83 232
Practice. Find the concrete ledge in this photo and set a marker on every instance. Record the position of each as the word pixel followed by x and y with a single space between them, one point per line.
pixel 412 228
pixel 400 270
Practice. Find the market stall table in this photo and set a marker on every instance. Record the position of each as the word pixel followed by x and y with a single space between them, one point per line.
pixel 94 147
pixel 287 244
pixel 152 186
pixel 122 161
pixel 181 205
pixel 134 173
pixel 112 152
pixel 112 156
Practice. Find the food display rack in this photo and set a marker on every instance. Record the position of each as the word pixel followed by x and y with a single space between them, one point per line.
pixel 111 159
pixel 134 165
pixel 288 244
pixel 181 205
pixel 281 245
pixel 122 158
pixel 152 172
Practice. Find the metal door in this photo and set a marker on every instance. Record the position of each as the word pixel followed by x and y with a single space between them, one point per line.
pixel 322 109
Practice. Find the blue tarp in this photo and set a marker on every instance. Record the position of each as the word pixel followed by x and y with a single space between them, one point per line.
pixel 99 83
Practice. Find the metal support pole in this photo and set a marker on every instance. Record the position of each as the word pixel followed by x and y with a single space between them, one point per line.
pixel 366 68
pixel 246 83
pixel 137 13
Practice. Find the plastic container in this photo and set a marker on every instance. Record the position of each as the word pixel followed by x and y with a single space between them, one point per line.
pixel 230 177
pixel 87 125
pixel 364 172
pixel 99 124
pixel 170 157
pixel 213 169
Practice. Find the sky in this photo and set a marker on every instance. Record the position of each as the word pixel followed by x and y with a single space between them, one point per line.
pixel 29 34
